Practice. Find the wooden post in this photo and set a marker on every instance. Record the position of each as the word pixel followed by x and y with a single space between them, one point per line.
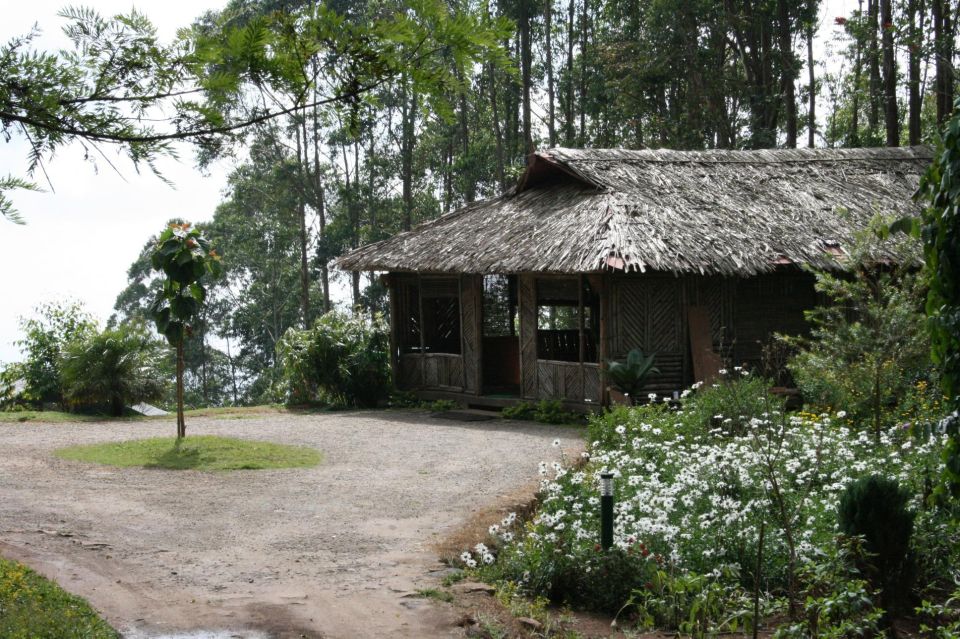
pixel 603 280
pixel 391 281
pixel 580 334
pixel 423 337
pixel 599 283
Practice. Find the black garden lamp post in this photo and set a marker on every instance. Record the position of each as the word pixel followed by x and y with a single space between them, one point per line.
pixel 606 510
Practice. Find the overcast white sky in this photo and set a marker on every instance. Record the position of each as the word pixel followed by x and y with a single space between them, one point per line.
pixel 80 239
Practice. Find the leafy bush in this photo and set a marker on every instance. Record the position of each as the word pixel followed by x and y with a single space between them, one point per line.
pixel 343 359
pixel 941 621
pixel 523 411
pixel 876 508
pixel 838 601
pixel 440 405
pixel 548 411
pixel 45 338
pixel 112 369
pixel 694 604
pixel 868 345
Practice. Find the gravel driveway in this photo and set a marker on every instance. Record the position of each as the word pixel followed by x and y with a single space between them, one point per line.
pixel 319 552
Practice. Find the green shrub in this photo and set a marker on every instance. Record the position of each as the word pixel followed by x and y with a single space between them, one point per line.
pixel 342 360
pixel 45 338
pixel 604 581
pixel 838 601
pixel 694 604
pixel 548 411
pixel 112 369
pixel 941 620
pixel 868 345
pixel 877 509
pixel 441 405
pixel 523 411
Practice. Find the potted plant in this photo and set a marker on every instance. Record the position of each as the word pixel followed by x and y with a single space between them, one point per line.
pixel 629 377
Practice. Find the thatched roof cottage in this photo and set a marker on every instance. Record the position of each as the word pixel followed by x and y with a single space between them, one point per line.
pixel 691 255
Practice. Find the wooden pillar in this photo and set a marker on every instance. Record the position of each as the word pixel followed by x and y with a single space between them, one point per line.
pixel 580 340
pixel 527 301
pixel 391 281
pixel 601 284
pixel 471 330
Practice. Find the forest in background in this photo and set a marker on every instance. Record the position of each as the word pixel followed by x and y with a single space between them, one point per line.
pixel 736 74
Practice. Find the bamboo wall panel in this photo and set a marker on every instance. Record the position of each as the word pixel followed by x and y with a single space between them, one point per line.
pixel 646 313
pixel 592 384
pixel 768 304
pixel 471 300
pixel 443 371
pixel 527 298
pixel 411 372
pixel 559 380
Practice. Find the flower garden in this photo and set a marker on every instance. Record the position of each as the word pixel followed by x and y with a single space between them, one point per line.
pixel 727 515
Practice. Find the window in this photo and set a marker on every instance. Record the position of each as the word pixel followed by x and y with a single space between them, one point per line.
pixel 408 321
pixel 430 306
pixel 567 320
pixel 500 317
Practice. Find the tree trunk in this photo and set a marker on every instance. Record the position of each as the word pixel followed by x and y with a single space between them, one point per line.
pixel 568 116
pixel 548 44
pixel 873 23
pixel 319 203
pixel 915 104
pixel 811 70
pixel 525 64
pixel 233 373
pixel 583 73
pixel 497 130
pixel 788 73
pixel 303 237
pixel 408 114
pixel 181 424
pixel 891 111
pixel 857 80
pixel 943 55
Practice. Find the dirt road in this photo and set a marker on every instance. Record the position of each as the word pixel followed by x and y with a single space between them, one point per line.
pixel 319 552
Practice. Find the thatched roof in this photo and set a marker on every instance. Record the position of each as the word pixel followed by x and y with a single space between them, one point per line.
pixel 729 212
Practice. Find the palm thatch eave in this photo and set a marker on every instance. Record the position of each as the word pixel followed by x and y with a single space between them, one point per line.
pixel 708 212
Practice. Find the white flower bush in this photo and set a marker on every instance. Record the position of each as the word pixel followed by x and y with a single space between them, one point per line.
pixel 694 485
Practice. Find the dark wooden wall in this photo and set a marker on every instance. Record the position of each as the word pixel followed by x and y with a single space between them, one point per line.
pixel 650 312
pixel 646 311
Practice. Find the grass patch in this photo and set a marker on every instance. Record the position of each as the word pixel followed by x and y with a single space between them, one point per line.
pixel 197 452
pixel 55 417
pixel 433 593
pixel 32 607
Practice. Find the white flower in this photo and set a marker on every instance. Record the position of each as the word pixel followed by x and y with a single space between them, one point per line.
pixel 841 414
pixel 652 397
pixel 494 529
pixel 556 443
pixel 722 371
pixel 465 556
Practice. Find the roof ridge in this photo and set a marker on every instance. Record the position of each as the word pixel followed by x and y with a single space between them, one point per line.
pixel 739 156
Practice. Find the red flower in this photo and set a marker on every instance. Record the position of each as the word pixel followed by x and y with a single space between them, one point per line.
pixel 597 548
pixel 840 21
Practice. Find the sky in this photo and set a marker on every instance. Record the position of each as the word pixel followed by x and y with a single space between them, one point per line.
pixel 80 238
pixel 82 235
